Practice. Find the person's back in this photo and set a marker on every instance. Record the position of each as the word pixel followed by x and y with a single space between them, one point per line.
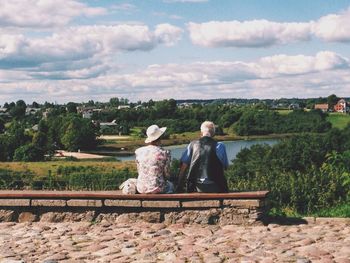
pixel 206 173
pixel 152 165
pixel 206 160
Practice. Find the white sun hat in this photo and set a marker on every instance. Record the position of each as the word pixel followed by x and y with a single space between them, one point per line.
pixel 154 132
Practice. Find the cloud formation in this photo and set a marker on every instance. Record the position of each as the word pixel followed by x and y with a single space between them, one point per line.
pixel 333 27
pixel 268 77
pixel 42 14
pixel 85 49
pixel 264 33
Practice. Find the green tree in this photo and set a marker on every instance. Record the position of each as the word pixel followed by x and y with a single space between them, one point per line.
pixel 332 100
pixel 71 107
pixel 78 133
pixel 28 153
pixel 35 105
pixel 114 102
pixel 19 110
pixel 2 125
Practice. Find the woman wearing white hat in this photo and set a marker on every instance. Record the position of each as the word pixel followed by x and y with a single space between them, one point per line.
pixel 153 164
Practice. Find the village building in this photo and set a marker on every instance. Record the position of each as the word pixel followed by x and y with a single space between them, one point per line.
pixel 294 106
pixel 31 111
pixel 87 112
pixel 4 113
pixel 342 106
pixel 120 107
pixel 323 107
pixel 109 127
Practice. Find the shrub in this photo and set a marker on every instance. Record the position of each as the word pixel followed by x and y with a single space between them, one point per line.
pixel 28 153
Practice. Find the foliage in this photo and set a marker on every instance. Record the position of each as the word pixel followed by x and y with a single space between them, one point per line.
pixel 68 178
pixel 18 110
pixel 304 173
pixel 2 125
pixel 28 153
pixel 14 180
pixel 262 122
pixel 78 133
pixel 338 120
pixel 341 210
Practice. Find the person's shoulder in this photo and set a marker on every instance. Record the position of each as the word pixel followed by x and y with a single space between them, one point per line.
pixel 141 149
pixel 193 142
pixel 220 145
pixel 163 150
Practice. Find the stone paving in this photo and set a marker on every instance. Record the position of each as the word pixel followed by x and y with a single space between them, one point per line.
pixel 147 242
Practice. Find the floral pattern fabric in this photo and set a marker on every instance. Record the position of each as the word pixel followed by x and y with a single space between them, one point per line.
pixel 153 166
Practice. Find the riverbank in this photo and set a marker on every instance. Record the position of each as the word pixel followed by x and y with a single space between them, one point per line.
pixel 128 147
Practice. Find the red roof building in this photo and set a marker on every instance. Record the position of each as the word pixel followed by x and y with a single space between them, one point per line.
pixel 323 107
pixel 341 106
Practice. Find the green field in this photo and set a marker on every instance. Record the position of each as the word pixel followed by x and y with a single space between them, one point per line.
pixel 339 120
pixel 43 168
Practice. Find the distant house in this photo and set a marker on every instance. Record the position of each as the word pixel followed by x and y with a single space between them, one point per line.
pixel 138 107
pixel 31 111
pixel 87 114
pixel 294 106
pixel 184 105
pixel 123 107
pixel 342 106
pixel 109 127
pixel 323 107
pixel 4 113
pixel 35 127
pixel 46 113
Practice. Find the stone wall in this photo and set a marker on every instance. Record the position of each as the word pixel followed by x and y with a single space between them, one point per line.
pixel 212 211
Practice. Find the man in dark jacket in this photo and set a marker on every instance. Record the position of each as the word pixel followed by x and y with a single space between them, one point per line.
pixel 206 160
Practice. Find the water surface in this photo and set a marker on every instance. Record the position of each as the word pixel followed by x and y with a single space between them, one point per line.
pixel 232 148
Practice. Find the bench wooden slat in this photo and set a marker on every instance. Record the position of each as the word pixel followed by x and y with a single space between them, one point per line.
pixel 118 195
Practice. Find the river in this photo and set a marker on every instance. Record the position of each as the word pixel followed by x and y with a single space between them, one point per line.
pixel 232 148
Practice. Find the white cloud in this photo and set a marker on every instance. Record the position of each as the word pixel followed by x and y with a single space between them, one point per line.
pixel 264 33
pixel 81 47
pixel 269 77
pixel 255 33
pixel 168 34
pixel 39 13
pixel 293 65
pixel 333 27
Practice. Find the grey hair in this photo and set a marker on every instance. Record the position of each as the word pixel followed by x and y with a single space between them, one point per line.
pixel 208 129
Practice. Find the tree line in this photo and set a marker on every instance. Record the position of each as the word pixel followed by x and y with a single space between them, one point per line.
pixel 64 128
pixel 304 173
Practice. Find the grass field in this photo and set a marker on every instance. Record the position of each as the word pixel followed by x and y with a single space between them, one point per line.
pixel 43 168
pixel 339 120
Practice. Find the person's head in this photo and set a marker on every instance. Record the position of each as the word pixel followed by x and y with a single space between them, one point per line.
pixel 208 129
pixel 154 134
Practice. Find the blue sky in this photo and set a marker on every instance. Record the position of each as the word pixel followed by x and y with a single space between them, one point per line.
pixel 156 49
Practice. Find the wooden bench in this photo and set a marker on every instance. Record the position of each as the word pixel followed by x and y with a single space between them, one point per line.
pixel 55 206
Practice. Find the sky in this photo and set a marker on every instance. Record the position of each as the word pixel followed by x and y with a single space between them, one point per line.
pixel 70 50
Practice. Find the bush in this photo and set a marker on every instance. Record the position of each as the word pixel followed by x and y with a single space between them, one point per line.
pixel 303 174
pixel 254 122
pixel 14 180
pixel 29 153
pixel 97 181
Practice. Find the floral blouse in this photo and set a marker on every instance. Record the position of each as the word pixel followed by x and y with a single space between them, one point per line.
pixel 153 166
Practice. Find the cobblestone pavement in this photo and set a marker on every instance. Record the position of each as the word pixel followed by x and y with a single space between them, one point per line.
pixel 145 242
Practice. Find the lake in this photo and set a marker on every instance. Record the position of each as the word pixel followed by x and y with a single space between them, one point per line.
pixel 232 148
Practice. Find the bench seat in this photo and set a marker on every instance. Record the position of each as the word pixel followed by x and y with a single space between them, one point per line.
pixel 119 195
